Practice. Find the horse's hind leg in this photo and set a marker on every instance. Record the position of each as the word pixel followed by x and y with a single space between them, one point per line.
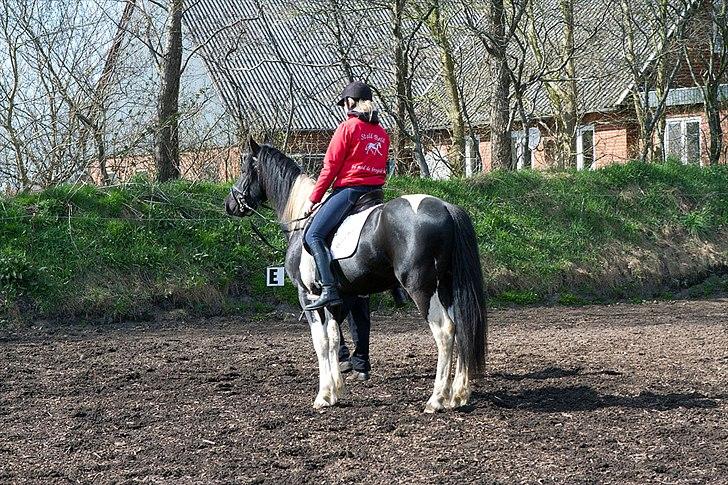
pixel 443 330
pixel 460 385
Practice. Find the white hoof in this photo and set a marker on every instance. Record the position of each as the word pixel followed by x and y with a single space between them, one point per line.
pixel 324 400
pixel 458 401
pixel 434 405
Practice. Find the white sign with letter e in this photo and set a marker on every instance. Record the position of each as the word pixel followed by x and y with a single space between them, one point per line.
pixel 275 276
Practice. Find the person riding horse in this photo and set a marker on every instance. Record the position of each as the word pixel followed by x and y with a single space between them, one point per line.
pixel 356 163
pixel 418 242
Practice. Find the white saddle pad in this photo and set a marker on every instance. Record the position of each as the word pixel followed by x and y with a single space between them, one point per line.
pixel 347 235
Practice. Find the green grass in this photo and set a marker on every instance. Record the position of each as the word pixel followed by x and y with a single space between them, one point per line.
pixel 536 228
pixel 123 251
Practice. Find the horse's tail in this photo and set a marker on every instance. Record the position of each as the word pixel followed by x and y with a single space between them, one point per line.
pixel 469 307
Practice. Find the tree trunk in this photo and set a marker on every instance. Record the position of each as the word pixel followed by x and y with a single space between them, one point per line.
pixel 94 121
pixel 419 152
pixel 569 116
pixel 500 132
pixel 661 78
pixel 562 93
pixel 456 154
pixel 166 147
pixel 402 158
pixel 712 112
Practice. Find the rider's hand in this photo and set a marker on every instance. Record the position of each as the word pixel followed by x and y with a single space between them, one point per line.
pixel 307 208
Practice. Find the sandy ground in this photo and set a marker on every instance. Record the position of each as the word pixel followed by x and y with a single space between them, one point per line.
pixel 607 394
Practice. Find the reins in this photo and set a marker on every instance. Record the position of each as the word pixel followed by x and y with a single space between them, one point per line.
pixel 240 199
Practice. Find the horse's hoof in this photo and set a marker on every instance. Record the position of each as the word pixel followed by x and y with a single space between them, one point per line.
pixel 324 401
pixel 433 406
pixel 457 402
pixel 432 410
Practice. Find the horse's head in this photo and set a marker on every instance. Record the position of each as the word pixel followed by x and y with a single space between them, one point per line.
pixel 248 193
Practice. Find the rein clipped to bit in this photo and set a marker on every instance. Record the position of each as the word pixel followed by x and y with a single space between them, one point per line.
pixel 240 200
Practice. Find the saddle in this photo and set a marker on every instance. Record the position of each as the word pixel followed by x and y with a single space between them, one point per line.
pixel 365 202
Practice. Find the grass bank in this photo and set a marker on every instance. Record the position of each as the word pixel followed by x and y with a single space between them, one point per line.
pixel 625 232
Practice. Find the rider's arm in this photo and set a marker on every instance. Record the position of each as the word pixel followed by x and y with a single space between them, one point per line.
pixel 333 161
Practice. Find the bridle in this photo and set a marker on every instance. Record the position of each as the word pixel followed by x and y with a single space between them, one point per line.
pixel 241 199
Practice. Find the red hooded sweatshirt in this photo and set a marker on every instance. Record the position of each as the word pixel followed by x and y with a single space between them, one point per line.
pixel 357 155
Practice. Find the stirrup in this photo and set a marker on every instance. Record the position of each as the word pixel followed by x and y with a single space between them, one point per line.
pixel 329 297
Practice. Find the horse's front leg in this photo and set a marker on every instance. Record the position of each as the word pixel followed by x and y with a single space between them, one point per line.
pixel 332 329
pixel 327 395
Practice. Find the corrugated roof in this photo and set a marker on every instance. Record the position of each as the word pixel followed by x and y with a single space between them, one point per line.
pixel 688 96
pixel 277 66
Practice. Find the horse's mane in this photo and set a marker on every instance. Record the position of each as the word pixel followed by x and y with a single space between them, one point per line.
pixel 284 181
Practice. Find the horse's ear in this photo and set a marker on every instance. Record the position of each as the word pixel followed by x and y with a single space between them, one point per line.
pixel 254 147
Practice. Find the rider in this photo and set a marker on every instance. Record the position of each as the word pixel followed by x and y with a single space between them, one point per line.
pixel 356 163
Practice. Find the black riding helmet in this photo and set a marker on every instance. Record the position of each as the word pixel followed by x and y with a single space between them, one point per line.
pixel 356 90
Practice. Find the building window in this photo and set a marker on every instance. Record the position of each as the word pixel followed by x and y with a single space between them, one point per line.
pixel 522 155
pixel 473 163
pixel 682 139
pixel 585 147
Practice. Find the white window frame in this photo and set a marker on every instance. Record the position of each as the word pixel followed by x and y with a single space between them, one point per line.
pixel 520 159
pixel 683 135
pixel 580 146
pixel 473 164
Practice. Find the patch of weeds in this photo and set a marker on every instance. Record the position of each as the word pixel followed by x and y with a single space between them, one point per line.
pixel 712 286
pixel 18 276
pixel 518 297
pixel 570 299
pixel 699 221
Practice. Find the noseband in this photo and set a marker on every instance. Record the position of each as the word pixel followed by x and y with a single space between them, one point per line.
pixel 239 197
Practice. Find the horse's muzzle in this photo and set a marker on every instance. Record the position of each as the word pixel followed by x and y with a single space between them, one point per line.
pixel 233 208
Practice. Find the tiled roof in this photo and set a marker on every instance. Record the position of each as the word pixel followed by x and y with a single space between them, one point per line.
pixel 277 66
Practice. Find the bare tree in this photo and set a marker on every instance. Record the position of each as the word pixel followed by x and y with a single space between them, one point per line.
pixel 166 145
pixel 653 36
pixel 55 93
pixel 497 29
pixel 708 65
pixel 437 25
pixel 95 118
pixel 10 86
pixel 560 85
pixel 406 57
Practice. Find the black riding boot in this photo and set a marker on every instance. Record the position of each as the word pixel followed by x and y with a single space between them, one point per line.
pixel 329 294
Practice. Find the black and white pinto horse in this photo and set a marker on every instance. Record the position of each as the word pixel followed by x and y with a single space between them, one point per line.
pixel 420 242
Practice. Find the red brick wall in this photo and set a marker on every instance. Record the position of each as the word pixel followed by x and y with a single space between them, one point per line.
pixel 484 149
pixel 611 145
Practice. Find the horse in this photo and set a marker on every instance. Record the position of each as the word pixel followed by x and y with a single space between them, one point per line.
pixel 420 242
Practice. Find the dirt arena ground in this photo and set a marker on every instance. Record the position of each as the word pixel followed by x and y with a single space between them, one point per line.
pixel 610 394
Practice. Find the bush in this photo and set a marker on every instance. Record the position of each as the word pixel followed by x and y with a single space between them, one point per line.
pixel 18 277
